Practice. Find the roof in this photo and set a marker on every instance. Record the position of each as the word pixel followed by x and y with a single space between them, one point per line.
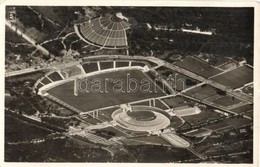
pixel 107 32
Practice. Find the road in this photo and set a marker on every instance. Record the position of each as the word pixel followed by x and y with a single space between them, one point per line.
pixel 26 37
pixel 23 71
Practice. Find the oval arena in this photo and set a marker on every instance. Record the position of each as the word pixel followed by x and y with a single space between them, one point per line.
pixel 141 118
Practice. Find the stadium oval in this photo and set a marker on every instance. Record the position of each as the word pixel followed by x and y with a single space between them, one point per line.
pixel 152 118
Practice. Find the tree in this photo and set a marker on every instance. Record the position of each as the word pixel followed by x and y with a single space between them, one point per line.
pixel 190 82
pixel 221 92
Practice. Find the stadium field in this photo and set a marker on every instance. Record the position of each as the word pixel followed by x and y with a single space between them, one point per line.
pixel 105 95
pixel 198 67
pixel 235 78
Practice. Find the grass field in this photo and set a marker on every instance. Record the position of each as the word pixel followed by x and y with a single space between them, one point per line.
pixel 175 122
pixel 235 78
pixel 160 105
pixel 224 100
pixel 243 109
pixel 228 65
pixel 198 67
pixel 248 90
pixel 111 129
pixel 142 115
pixel 106 114
pixel 152 140
pixel 177 101
pixel 179 77
pixel 202 92
pixel 232 122
pixel 249 114
pixel 203 116
pixel 86 101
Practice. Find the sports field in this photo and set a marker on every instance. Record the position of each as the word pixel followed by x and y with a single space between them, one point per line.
pixel 86 101
pixel 202 92
pixel 227 123
pixel 182 81
pixel 142 115
pixel 224 100
pixel 243 109
pixel 202 117
pixel 235 78
pixel 177 101
pixel 198 67
pixel 248 90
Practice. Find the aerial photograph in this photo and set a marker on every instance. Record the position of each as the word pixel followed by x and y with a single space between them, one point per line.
pixel 129 84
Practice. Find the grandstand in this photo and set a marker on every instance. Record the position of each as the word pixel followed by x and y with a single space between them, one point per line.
pixel 175 140
pixel 185 111
pixel 106 32
pixel 103 65
pixel 90 67
pixel 122 63
pixel 50 77
pixel 106 65
pixel 72 71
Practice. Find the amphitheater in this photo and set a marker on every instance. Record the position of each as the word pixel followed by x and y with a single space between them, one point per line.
pixel 141 118
pixel 107 31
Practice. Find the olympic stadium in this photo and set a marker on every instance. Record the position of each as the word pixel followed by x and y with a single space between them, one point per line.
pixel 121 111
